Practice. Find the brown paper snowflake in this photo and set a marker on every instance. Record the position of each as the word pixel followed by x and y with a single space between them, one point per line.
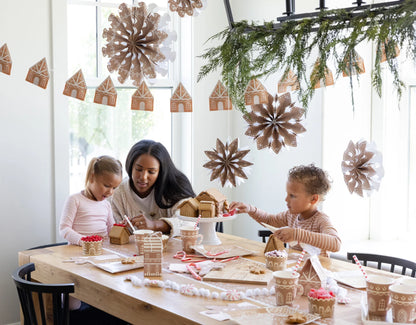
pixel 188 7
pixel 362 167
pixel 275 124
pixel 136 44
pixel 227 163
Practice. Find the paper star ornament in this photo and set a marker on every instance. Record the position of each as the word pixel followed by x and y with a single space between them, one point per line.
pixel 362 167
pixel 275 124
pixel 227 163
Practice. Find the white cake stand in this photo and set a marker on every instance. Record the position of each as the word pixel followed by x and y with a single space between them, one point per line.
pixel 207 228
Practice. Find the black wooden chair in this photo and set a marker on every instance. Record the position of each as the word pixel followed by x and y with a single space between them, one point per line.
pixel 264 234
pixel 32 311
pixel 391 261
pixel 49 245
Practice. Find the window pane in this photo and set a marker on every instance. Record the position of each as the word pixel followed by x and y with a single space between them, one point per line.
pixel 99 129
pixel 82 40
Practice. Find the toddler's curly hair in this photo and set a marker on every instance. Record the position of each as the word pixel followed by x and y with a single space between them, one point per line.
pixel 315 179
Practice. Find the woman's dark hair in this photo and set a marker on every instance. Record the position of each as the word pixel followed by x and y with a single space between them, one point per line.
pixel 171 184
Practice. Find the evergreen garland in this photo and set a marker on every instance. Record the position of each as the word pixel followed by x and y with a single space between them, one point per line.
pixel 251 51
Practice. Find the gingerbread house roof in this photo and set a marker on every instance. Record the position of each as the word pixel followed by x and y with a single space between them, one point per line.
pixel 358 62
pixel 214 194
pixel 39 70
pixel 194 203
pixel 76 82
pixel 106 89
pixel 5 59
pixel 291 80
pixel 274 243
pixel 329 78
pixel 219 94
pixel 255 86
pixel 313 270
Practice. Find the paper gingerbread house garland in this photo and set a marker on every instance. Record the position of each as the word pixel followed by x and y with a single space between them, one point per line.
pixel 327 81
pixel 142 99
pixel 76 86
pixel 383 51
pixel 38 74
pixel 255 93
pixel 219 100
pixel 180 101
pixel 312 275
pixel 291 81
pixel 352 62
pixel 153 248
pixel 274 244
pixel 5 60
pixel 106 93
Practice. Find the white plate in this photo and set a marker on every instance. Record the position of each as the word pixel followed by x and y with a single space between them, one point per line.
pixel 118 266
pixel 209 251
pixel 353 279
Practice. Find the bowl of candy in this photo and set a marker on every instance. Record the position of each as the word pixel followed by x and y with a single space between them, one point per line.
pixel 92 245
pixel 321 302
pixel 276 260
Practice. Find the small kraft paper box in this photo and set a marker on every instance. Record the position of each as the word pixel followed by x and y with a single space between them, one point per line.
pixel 153 248
pixel 119 235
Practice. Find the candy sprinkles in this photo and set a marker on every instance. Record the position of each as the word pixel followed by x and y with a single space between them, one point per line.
pixel 192 290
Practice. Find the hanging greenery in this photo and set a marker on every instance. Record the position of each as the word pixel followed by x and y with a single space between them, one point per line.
pixel 251 51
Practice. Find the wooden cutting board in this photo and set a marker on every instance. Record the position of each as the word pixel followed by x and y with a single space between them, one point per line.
pixel 239 271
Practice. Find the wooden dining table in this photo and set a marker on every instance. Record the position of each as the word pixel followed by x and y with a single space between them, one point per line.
pixel 112 293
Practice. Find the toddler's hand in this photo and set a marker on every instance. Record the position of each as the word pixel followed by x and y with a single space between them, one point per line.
pixel 285 234
pixel 239 207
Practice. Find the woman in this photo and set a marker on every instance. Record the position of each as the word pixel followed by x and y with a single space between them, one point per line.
pixel 153 189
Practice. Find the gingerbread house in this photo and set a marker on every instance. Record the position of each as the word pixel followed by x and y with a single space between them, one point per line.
pixel 327 81
pixel 38 74
pixel 357 61
pixel 217 198
pixel 291 81
pixel 312 275
pixel 76 86
pixel 5 60
pixel 106 94
pixel 383 52
pixel 142 99
pixel 153 248
pixel 274 243
pixel 180 101
pixel 255 93
pixel 119 235
pixel 219 100
pixel 189 208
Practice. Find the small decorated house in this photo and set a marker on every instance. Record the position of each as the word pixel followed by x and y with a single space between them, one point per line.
pixel 189 208
pixel 153 248
pixel 180 101
pixel 291 81
pixel 274 243
pixel 217 198
pixel 142 99
pixel 219 100
pixel 329 78
pixel 5 60
pixel 76 86
pixel 106 94
pixel 38 74
pixel 255 93
pixel 119 235
pixel 312 275
pixel 356 61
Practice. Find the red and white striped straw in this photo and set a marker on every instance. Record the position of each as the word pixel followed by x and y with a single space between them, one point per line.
pixel 359 265
pixel 197 221
pixel 298 262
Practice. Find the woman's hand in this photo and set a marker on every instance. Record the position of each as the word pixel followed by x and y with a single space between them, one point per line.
pixel 141 222
pixel 239 207
pixel 285 234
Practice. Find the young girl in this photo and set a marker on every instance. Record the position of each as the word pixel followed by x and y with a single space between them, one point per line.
pixel 152 190
pixel 302 222
pixel 89 212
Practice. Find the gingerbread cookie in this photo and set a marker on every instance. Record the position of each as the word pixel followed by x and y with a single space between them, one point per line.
pixel 296 318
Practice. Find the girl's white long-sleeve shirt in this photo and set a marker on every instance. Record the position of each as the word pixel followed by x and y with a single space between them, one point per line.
pixel 84 217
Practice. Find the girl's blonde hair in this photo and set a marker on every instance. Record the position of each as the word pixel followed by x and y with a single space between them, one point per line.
pixel 315 180
pixel 101 165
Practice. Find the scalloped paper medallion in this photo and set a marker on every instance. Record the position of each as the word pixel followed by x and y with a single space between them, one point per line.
pixel 186 7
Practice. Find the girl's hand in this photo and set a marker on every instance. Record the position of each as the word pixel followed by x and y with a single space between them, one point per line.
pixel 285 234
pixel 239 207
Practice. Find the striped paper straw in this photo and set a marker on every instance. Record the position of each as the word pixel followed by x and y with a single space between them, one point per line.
pixel 197 221
pixel 359 265
pixel 298 262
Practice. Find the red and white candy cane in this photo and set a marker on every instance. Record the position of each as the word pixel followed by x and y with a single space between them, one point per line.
pixel 181 255
pixel 190 268
pixel 298 262
pixel 359 265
